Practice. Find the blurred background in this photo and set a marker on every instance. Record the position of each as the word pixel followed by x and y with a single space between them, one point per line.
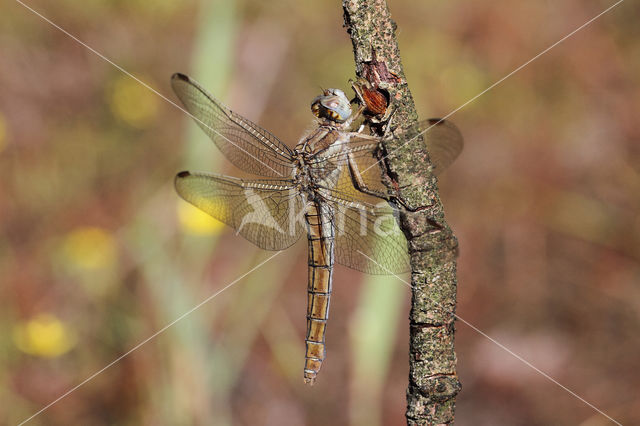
pixel 98 253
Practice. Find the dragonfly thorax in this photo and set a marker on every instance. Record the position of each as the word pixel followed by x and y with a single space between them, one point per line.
pixel 301 174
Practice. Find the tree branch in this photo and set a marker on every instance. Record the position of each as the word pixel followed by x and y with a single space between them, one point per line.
pixel 433 382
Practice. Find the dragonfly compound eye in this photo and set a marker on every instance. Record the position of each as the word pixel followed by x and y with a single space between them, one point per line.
pixel 332 105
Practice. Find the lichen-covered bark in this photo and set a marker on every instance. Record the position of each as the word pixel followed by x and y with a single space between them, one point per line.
pixel 433 382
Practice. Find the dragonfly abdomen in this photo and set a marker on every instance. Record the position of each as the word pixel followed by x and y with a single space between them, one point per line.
pixel 319 219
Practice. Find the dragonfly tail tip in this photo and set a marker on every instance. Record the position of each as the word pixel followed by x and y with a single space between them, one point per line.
pixel 309 378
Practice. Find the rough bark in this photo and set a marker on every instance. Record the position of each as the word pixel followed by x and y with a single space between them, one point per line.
pixel 433 382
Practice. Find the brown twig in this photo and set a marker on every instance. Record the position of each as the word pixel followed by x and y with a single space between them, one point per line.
pixel 433 382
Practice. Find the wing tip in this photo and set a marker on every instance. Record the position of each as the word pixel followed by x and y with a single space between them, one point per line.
pixel 180 76
pixel 441 122
pixel 178 181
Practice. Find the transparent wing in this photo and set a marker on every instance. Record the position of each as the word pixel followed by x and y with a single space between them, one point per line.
pixel 441 137
pixel 368 239
pixel 338 171
pixel 266 212
pixel 367 234
pixel 247 145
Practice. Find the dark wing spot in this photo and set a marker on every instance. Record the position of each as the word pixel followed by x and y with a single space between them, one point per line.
pixel 179 76
pixel 434 121
pixel 183 174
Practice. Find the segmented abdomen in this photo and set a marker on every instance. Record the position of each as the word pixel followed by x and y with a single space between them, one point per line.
pixel 319 218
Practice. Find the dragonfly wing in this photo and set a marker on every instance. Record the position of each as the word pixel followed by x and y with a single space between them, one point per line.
pixel 367 233
pixel 442 138
pixel 247 145
pixel 266 212
pixel 368 238
pixel 356 162
pixel 350 164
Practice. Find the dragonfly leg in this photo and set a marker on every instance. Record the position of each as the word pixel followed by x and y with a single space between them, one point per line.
pixel 358 180
pixel 360 135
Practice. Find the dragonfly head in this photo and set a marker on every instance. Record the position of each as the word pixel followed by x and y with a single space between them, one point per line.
pixel 332 105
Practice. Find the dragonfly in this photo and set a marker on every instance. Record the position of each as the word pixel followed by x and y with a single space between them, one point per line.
pixel 329 187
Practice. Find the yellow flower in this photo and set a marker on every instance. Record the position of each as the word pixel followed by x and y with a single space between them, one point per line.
pixel 195 221
pixel 44 336
pixel 90 248
pixel 132 103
